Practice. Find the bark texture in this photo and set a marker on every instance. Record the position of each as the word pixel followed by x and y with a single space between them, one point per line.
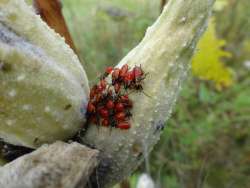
pixel 59 165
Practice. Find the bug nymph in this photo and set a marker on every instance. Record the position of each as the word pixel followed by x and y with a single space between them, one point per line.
pixel 138 77
pixel 124 125
pixel 107 72
pixel 109 104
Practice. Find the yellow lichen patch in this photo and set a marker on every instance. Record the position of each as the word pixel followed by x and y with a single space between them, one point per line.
pixel 207 63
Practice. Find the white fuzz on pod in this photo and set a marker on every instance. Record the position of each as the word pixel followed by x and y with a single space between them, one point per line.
pixel 165 54
pixel 43 85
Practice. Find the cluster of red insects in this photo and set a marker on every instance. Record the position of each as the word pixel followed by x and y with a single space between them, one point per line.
pixel 109 103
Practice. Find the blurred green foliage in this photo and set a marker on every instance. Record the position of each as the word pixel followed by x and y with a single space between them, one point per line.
pixel 234 27
pixel 206 143
pixel 105 31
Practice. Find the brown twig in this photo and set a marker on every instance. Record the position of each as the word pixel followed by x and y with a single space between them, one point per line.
pixel 163 3
pixel 51 12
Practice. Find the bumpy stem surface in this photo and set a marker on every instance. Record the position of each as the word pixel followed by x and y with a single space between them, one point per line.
pixel 43 85
pixel 59 165
pixel 164 53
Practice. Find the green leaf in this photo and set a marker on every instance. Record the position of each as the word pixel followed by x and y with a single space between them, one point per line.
pixel 207 63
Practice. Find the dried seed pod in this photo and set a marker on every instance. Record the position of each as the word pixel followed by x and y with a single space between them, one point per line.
pixel 43 85
pixel 164 54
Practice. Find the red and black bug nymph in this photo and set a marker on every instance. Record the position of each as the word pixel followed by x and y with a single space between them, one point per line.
pixel 109 104
pixel 130 79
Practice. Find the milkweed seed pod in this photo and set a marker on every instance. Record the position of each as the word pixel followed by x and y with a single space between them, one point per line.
pixel 43 85
pixel 164 53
